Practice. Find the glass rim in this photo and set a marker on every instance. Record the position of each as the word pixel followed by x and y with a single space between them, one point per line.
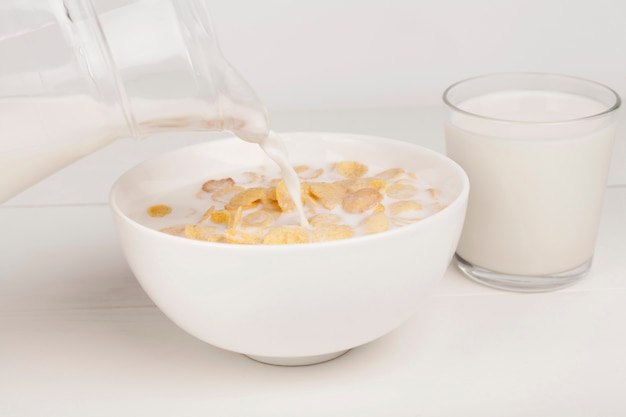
pixel 616 105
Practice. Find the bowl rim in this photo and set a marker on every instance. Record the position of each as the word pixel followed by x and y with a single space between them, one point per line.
pixel 460 199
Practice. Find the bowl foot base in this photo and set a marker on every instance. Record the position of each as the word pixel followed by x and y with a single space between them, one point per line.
pixel 298 360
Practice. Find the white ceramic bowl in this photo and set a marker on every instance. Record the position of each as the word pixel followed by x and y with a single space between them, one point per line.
pixel 290 304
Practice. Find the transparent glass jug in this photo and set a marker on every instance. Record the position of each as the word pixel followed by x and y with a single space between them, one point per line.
pixel 76 75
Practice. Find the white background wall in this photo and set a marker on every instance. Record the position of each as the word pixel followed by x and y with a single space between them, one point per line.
pixel 346 53
pixel 309 59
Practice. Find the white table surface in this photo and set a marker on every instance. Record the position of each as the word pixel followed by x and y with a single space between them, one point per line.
pixel 79 337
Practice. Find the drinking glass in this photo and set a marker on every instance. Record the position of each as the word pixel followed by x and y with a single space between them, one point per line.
pixel 536 148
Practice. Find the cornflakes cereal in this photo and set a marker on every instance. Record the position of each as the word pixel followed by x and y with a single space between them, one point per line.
pixel 160 210
pixel 357 184
pixel 390 174
pixel 361 200
pixel 257 219
pixel 327 194
pixel 236 218
pixel 308 199
pixel 247 198
pixel 207 214
pixel 340 202
pixel 283 198
pixel 351 169
pixel 173 230
pixel 270 196
pixel 399 207
pixel 324 219
pixel 282 235
pixel 214 185
pixel 221 216
pixel 401 190
pixel 376 223
pixel 307 173
pixel 241 238
pixel 192 231
pixel 332 232
pixel 273 208
pixel 224 194
pixel 380 208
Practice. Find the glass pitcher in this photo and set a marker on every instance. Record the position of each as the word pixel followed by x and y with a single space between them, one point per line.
pixel 76 75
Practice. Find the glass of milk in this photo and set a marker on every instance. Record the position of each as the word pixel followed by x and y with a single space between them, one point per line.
pixel 536 148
